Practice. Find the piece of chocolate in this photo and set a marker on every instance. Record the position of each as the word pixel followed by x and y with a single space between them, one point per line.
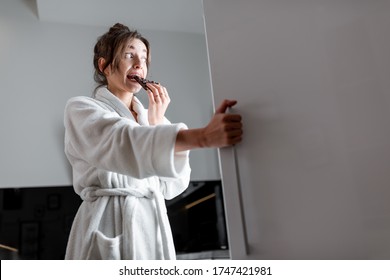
pixel 143 82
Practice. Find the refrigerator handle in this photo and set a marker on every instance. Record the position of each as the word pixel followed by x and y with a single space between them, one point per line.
pixel 241 202
pixel 237 227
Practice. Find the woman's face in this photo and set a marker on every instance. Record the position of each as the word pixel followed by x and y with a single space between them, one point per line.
pixel 132 61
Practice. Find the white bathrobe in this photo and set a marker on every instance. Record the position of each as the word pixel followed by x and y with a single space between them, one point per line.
pixel 122 170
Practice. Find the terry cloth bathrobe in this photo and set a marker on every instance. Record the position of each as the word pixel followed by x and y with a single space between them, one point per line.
pixel 122 170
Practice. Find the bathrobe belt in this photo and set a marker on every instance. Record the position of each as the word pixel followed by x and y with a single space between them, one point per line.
pixel 93 193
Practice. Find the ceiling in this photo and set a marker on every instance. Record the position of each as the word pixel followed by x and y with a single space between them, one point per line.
pixel 162 15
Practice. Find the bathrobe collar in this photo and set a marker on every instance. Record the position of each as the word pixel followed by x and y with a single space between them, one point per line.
pixel 106 96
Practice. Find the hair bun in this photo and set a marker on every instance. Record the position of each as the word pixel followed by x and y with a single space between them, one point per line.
pixel 119 27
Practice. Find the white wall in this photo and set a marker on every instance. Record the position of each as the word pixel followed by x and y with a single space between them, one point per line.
pixel 43 64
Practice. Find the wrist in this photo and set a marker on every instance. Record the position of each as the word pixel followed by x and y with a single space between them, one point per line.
pixel 188 139
pixel 202 139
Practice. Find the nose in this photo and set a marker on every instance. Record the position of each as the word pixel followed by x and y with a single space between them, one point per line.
pixel 137 63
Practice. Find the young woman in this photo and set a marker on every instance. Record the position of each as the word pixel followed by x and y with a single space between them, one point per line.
pixel 127 159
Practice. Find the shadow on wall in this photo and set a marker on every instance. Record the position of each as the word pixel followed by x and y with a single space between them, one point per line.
pixel 32 6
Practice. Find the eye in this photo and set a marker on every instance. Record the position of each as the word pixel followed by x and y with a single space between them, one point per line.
pixel 129 55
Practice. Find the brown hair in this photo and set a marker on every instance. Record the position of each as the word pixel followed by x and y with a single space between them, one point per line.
pixel 110 45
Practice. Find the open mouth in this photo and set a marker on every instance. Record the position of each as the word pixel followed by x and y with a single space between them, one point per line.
pixel 139 80
pixel 133 77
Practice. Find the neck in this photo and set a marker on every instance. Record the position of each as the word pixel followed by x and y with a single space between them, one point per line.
pixel 125 97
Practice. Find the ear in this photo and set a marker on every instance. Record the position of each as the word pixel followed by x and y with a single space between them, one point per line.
pixel 102 64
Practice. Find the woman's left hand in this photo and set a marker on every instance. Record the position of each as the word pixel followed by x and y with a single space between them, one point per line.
pixel 158 103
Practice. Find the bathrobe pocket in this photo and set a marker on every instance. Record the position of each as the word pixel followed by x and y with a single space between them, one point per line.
pixel 105 248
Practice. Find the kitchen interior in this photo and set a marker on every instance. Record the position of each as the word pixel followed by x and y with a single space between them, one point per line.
pixel 47 47
pixel 310 180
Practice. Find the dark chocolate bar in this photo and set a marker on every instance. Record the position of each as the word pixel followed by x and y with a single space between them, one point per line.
pixel 143 82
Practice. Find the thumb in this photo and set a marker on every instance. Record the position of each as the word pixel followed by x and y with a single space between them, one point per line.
pixel 224 105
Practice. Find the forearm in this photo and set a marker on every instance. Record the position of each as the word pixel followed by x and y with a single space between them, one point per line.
pixel 188 139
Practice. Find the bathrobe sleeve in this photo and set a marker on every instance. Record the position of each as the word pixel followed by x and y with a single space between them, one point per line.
pixel 172 187
pixel 105 140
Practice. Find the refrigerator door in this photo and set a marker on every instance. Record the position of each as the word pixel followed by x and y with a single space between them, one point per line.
pixel 312 83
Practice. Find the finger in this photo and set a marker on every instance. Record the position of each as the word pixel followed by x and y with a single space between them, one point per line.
pixel 153 97
pixel 225 104
pixel 233 126
pixel 154 87
pixel 164 95
pixel 161 92
pixel 232 118
pixel 155 92
pixel 235 140
pixel 157 98
pixel 234 133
